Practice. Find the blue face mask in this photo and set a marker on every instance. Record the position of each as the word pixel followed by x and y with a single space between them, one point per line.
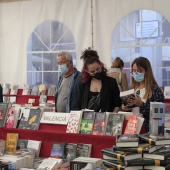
pixel 139 77
pixel 63 68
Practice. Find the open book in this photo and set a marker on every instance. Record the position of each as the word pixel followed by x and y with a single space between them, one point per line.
pixel 125 95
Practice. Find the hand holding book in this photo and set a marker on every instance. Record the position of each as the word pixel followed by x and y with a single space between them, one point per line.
pixel 134 101
pixel 130 99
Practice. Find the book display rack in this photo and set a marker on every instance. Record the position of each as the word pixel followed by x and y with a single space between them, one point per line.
pixel 49 133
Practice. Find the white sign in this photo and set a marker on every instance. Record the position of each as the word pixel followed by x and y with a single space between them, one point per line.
pixel 55 118
pixel 148 27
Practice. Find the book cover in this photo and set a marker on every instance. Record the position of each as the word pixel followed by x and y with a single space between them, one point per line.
pixel 42 89
pixel 131 127
pixel 83 150
pixel 12 99
pixel 34 144
pixel 11 142
pixel 108 153
pixel 23 118
pixel 99 123
pixel 160 154
pixel 26 89
pixel 51 90
pixel 155 139
pixel 34 90
pixel 10 118
pixel 87 122
pixel 114 124
pixel 57 150
pixel 50 164
pixel 43 99
pixel 70 151
pixel 142 148
pixel 6 99
pixel 22 143
pixel 2 142
pixel 97 161
pixel 125 95
pixel 34 119
pixel 6 88
pixel 157 118
pixel 81 165
pixel 73 125
pixel 14 89
pixel 3 113
pixel 167 92
pixel 167 115
pixel 127 140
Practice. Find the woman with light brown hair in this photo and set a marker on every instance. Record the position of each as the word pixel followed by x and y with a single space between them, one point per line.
pixel 116 72
pixel 146 89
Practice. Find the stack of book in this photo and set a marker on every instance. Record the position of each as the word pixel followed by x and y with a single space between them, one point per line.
pixel 133 152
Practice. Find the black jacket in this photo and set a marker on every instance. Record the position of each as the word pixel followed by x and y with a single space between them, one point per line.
pixel 109 94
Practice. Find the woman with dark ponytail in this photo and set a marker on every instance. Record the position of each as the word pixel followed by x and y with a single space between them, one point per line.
pixel 97 91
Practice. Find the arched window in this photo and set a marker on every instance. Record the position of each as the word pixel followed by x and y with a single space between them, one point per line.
pixel 144 33
pixel 47 39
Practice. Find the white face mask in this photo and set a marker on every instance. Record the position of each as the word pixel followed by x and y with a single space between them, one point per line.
pixel 63 68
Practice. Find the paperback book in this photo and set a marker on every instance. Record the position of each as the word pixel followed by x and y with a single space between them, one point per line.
pixel 147 162
pixel 22 143
pixel 157 118
pixel 142 148
pixel 131 127
pixel 160 154
pixel 51 90
pixel 3 113
pixel 34 90
pixel 116 164
pixel 70 151
pixel 125 95
pixel 155 139
pixel 73 125
pixel 34 119
pixel 109 153
pixel 23 118
pixel 114 124
pixel 14 89
pixel 36 145
pixel 11 142
pixel 26 89
pixel 57 150
pixel 42 89
pixel 99 123
pixel 87 121
pixel 127 140
pixel 6 88
pixel 83 150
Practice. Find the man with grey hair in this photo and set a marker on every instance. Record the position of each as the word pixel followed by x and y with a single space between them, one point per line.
pixel 66 95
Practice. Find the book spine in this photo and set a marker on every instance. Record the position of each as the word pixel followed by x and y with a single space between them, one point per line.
pixel 133 150
pixel 113 165
pixel 162 118
pixel 113 155
pixel 150 162
pixel 157 118
pixel 154 118
pixel 148 140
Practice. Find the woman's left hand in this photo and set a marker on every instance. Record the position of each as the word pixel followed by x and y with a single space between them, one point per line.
pixel 135 101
